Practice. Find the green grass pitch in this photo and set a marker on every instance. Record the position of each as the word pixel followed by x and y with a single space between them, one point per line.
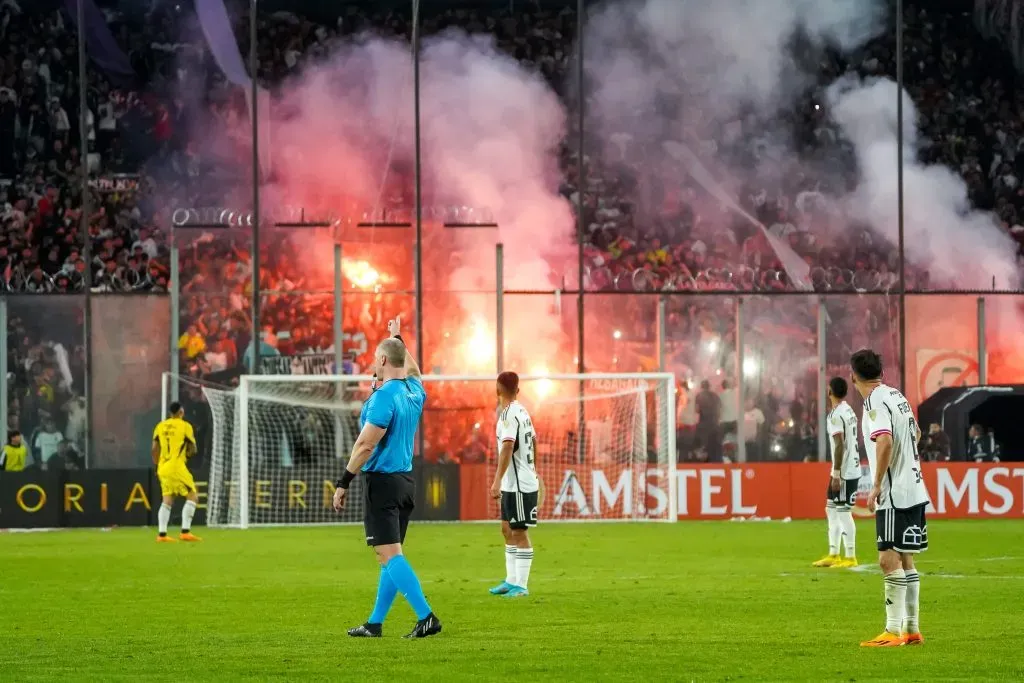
pixel 631 602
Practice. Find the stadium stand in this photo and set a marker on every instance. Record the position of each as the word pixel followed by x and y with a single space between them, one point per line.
pixel 639 241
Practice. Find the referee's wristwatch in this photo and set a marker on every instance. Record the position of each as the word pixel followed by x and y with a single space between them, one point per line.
pixel 345 481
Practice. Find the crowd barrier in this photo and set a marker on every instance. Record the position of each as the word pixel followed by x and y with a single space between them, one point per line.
pixel 130 497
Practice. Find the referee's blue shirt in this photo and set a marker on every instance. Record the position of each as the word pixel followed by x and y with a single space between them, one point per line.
pixel 396 408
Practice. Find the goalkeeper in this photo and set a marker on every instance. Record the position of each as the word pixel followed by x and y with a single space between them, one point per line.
pixel 173 443
pixel 383 452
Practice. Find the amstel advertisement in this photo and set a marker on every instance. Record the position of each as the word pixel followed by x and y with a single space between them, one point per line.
pixel 754 490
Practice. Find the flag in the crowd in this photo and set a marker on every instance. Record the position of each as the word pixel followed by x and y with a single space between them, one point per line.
pixel 216 25
pixel 101 45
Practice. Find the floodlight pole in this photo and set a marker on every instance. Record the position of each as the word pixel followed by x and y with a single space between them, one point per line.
pixel 83 123
pixel 254 366
pixel 900 198
pixel 580 226
pixel 418 186
pixel 418 199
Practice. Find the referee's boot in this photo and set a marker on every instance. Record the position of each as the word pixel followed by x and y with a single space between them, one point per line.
pixel 428 626
pixel 366 631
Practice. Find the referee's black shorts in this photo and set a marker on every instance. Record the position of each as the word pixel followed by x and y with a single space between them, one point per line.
pixel 390 500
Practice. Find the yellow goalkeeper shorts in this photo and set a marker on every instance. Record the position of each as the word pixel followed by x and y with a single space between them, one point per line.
pixel 176 481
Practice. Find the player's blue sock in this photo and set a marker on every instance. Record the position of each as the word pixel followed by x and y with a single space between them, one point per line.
pixel 386 592
pixel 403 576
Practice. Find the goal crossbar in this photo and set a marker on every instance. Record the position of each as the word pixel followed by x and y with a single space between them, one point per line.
pixel 350 379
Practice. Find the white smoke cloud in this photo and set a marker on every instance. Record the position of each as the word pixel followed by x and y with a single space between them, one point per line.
pixel 724 53
pixel 727 58
pixel 941 227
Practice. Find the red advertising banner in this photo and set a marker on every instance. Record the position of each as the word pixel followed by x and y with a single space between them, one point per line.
pixel 753 490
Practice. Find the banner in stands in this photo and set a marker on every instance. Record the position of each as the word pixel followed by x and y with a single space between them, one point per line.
pixel 353 344
pixel 305 364
pixel 116 182
pixel 754 490
pixel 131 497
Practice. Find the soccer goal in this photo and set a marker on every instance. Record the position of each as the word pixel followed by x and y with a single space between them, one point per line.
pixel 605 445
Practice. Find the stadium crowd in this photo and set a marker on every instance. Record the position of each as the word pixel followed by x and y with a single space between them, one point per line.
pixel 140 157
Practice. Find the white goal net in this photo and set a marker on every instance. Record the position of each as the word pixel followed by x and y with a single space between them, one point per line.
pixel 605 447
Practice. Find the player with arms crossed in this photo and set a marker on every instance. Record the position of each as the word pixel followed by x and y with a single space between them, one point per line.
pixel 173 444
pixel 898 497
pixel 383 452
pixel 842 486
pixel 516 485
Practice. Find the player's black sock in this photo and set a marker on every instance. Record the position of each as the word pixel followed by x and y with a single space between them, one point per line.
pixel 185 531
pixel 162 534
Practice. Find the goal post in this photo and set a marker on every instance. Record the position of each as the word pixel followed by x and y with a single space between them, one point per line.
pixel 605 445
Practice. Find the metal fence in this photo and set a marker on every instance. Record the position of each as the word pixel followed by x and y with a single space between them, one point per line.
pixel 84 350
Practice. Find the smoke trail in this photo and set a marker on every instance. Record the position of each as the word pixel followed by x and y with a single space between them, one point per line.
pixel 938 215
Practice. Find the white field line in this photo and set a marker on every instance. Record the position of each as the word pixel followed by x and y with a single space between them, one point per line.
pixel 871 569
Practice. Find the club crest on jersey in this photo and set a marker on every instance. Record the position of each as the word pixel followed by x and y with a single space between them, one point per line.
pixel 872 414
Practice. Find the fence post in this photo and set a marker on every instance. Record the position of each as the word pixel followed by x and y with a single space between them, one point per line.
pixel 175 319
pixel 741 441
pixel 4 405
pixel 982 343
pixel 822 369
pixel 499 321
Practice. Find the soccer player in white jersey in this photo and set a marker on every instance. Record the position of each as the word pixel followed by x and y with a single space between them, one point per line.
pixel 898 497
pixel 845 478
pixel 516 485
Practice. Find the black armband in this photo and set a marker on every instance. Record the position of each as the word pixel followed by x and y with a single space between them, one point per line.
pixel 399 338
pixel 345 480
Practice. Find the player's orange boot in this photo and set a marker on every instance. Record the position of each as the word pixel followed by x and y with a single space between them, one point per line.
pixel 827 561
pixel 846 563
pixel 190 537
pixel 166 539
pixel 913 639
pixel 885 639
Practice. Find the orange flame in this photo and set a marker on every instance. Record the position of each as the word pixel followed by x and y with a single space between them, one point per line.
pixel 362 275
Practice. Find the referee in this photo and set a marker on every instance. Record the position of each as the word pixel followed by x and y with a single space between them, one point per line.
pixel 383 452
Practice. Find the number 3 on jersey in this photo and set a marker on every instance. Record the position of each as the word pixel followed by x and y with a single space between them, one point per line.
pixel 528 446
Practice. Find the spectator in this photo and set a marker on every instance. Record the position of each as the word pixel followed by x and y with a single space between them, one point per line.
pixel 192 343
pixel 981 445
pixel 267 350
pixel 709 415
pixel 753 423
pixel 46 444
pixel 727 399
pixel 935 444
pixel 14 455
